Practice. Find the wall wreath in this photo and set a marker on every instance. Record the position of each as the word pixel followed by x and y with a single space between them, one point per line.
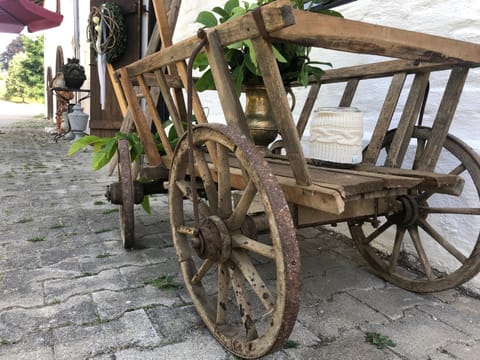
pixel 107 31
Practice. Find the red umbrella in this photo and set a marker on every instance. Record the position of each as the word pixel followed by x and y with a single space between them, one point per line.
pixel 16 14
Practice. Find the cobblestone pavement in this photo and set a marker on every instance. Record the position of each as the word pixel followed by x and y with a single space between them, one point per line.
pixel 68 290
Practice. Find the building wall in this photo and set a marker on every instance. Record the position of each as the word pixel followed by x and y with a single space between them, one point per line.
pixel 454 19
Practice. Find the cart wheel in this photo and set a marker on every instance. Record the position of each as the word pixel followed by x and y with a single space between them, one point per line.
pixel 428 237
pixel 127 220
pixel 245 287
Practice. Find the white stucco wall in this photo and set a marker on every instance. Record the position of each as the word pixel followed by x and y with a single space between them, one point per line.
pixel 454 19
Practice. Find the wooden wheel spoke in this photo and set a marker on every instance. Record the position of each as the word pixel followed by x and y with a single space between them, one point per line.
pixel 243 263
pixel 397 246
pixel 223 284
pixel 368 239
pixel 417 242
pixel 458 170
pixel 206 265
pixel 206 175
pixel 451 210
pixel 238 283
pixel 442 241
pixel 235 220
pixel 185 188
pixel 244 242
pixel 224 189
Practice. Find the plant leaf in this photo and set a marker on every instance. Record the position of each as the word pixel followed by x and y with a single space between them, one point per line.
pixel 207 19
pixel 278 55
pixel 221 12
pixel 205 82
pixel 230 5
pixel 146 204
pixel 82 143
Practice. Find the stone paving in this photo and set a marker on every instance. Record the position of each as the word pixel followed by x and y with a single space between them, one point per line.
pixel 68 290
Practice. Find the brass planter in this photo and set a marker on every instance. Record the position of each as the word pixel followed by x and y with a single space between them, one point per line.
pixel 259 115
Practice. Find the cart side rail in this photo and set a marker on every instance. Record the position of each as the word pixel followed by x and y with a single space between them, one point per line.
pixel 335 33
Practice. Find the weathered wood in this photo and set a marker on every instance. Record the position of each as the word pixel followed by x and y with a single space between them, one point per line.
pixel 283 116
pixel 232 109
pixel 385 118
pixel 349 92
pixel 354 36
pixel 442 183
pixel 307 109
pixel 166 34
pixel 169 101
pixel 152 108
pixel 276 15
pixel 139 119
pixel 117 89
pixel 407 121
pixel 443 118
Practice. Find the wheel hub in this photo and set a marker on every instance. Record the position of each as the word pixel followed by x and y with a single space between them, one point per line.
pixel 213 240
pixel 408 213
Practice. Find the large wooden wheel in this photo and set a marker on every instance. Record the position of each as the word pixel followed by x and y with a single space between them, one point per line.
pixel 244 285
pixel 423 231
pixel 127 220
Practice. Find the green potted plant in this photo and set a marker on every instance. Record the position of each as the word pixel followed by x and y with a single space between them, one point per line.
pixel 294 63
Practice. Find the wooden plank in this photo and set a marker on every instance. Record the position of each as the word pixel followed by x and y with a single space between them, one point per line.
pixel 444 118
pixel 407 121
pixel 307 109
pixel 166 38
pixel 152 108
pixel 117 89
pixel 429 179
pixel 232 109
pixel 281 110
pixel 276 15
pixel 380 69
pixel 331 32
pixel 384 119
pixel 141 125
pixel 169 102
pixel 349 92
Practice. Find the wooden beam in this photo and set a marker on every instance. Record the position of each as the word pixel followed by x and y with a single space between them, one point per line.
pixel 276 15
pixel 335 33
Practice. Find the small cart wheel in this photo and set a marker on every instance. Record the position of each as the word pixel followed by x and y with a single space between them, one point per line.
pixel 127 220
pixel 418 227
pixel 245 286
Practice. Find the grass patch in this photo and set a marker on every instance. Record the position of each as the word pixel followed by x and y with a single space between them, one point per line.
pixel 380 341
pixel 164 283
pixel 60 225
pixel 99 202
pixel 24 220
pixel 109 211
pixel 4 342
pixel 291 344
pixel 104 255
pixel 37 239
pixel 99 231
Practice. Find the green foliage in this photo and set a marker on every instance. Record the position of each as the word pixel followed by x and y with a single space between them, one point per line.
pixel 164 283
pixel 291 344
pixel 25 72
pixel 380 341
pixel 293 60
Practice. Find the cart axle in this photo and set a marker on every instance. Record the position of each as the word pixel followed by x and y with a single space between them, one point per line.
pixel 114 192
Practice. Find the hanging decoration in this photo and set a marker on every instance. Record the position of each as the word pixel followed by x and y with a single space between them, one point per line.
pixel 107 34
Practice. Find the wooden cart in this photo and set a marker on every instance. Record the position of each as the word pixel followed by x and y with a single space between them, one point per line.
pixel 234 210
